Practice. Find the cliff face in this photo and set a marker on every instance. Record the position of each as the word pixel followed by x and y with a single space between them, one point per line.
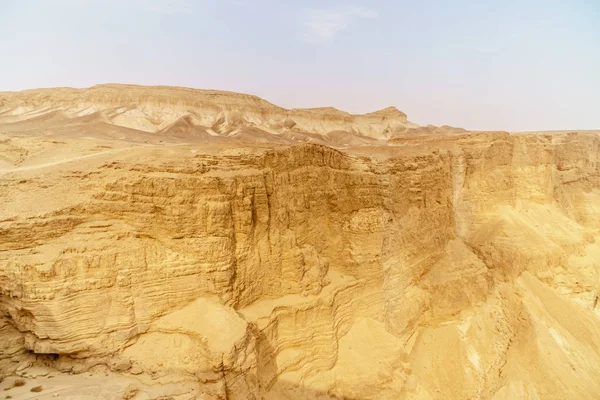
pixel 432 266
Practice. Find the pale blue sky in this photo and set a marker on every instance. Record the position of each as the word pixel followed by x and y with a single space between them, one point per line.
pixel 514 65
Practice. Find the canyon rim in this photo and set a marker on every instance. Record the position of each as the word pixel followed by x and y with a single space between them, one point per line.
pixel 173 243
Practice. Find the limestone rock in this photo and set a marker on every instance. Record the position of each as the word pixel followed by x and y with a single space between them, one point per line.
pixel 212 245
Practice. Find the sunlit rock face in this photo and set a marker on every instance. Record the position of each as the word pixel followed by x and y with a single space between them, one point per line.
pixel 203 244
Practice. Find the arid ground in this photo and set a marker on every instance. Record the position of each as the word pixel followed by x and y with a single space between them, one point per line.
pixel 170 243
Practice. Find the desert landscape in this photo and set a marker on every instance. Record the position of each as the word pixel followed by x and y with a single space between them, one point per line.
pixel 172 243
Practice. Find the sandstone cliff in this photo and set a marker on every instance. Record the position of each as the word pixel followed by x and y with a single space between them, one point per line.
pixel 200 262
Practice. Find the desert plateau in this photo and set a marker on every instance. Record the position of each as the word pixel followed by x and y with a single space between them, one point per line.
pixel 172 243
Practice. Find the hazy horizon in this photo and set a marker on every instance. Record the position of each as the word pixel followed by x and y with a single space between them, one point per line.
pixel 514 66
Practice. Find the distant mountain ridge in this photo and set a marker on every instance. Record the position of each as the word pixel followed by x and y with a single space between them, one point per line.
pixel 156 108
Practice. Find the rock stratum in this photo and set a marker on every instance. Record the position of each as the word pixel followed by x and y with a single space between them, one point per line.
pixel 161 242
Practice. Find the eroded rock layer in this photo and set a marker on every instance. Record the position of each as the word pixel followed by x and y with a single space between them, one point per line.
pixel 308 263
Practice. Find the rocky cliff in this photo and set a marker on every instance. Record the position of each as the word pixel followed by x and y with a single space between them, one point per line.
pixel 311 260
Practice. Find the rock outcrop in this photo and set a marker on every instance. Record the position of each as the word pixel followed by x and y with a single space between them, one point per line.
pixel 193 260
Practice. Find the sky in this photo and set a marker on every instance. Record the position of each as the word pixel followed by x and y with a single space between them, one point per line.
pixel 488 65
